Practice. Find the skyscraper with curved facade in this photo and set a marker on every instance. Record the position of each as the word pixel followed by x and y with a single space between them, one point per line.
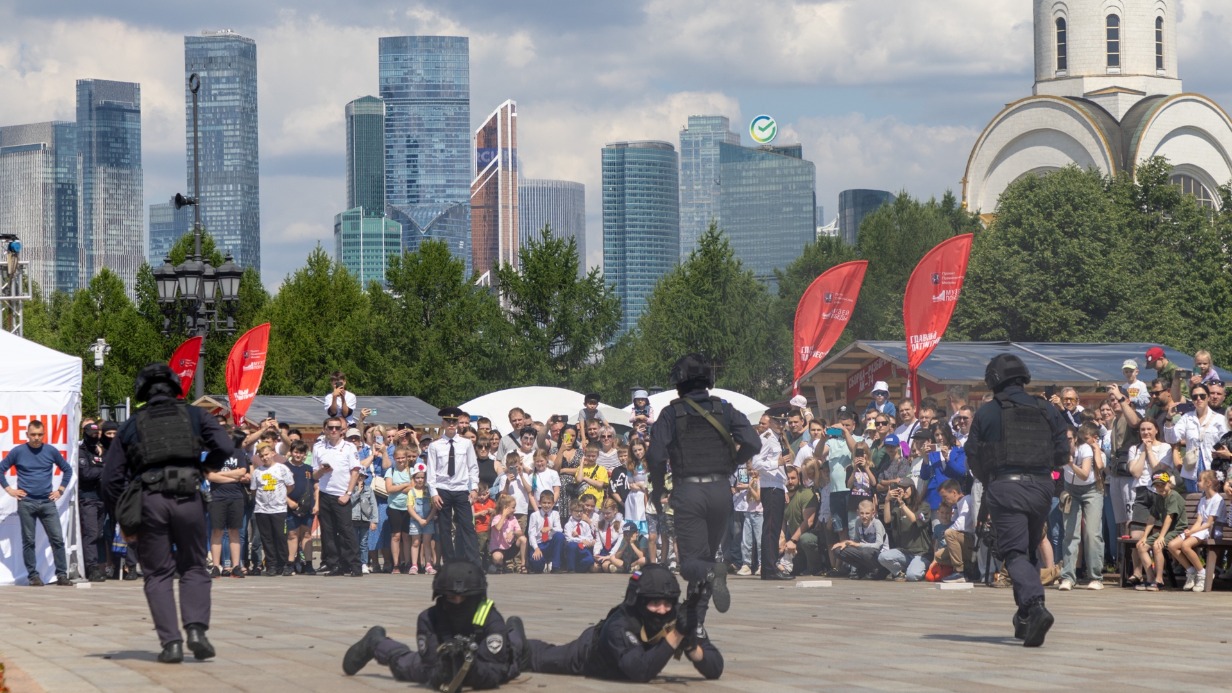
pixel 641 220
pixel 426 85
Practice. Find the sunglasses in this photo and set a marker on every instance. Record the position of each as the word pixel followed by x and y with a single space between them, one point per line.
pixel 605 437
pixel 883 423
pixel 961 419
pixel 1069 399
pixel 333 428
pixel 1156 393
pixel 1199 398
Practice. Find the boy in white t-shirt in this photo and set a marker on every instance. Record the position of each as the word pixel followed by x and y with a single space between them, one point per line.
pixel 1134 388
pixel 272 482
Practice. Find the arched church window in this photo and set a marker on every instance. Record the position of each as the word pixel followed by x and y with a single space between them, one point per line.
pixel 1159 43
pixel 1114 41
pixel 1192 186
pixel 1062 55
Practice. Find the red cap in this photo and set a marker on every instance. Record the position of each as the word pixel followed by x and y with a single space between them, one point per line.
pixel 1154 353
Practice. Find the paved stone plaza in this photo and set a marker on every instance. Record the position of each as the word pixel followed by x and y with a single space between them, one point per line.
pixel 288 634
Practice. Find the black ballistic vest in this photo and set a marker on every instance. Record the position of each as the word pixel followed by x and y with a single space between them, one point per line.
pixel 170 449
pixel 698 448
pixel 1026 437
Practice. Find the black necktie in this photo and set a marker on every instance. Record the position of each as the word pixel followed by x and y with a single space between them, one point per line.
pixel 451 457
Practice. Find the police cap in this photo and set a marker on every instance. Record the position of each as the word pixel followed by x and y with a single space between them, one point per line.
pixel 693 369
pixel 1005 369
pixel 462 578
pixel 151 377
pixel 653 582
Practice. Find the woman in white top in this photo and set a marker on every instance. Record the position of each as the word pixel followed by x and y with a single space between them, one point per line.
pixel 1198 431
pixel 1085 516
pixel 1149 457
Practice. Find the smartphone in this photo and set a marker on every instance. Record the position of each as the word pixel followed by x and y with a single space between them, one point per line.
pixel 1049 391
pixel 834 432
pixel 271 414
pixel 567 438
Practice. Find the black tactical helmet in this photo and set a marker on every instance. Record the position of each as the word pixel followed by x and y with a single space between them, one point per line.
pixel 462 578
pixel 692 369
pixel 153 375
pixel 653 582
pixel 1005 369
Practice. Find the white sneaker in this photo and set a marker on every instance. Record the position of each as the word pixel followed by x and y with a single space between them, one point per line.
pixel 1200 582
pixel 744 571
pixel 1189 581
pixel 366 570
pixel 1095 585
pixel 1066 585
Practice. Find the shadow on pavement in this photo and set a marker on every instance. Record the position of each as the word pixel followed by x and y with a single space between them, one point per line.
pixel 987 639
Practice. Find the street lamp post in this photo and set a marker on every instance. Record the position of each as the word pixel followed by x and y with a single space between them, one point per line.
pixel 100 349
pixel 203 297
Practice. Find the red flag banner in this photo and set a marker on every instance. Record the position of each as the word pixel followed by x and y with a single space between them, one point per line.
pixel 930 298
pixel 245 366
pixel 823 312
pixel 184 363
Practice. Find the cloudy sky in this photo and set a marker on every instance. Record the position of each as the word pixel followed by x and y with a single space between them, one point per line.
pixel 886 94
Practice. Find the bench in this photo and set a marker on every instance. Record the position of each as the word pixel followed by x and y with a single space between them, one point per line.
pixel 1219 541
pixel 1127 544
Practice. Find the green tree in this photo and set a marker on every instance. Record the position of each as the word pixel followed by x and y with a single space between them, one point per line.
pixel 561 320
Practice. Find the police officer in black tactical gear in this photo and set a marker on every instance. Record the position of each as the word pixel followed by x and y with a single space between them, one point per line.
pixel 636 639
pixel 1016 441
pixel 462 639
pixel 90 500
pixel 151 482
pixel 705 439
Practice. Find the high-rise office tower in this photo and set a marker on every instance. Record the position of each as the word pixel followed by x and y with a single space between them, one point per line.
pixel 39 200
pixel 365 155
pixel 112 209
pixel 167 225
pixel 425 83
pixel 641 220
pixel 494 192
pixel 699 175
pixel 560 204
pixel 853 206
pixel 230 168
pixel 767 205
pixel 363 243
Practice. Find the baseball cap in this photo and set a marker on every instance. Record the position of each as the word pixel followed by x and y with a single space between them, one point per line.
pixel 880 386
pixel 92 428
pixel 1130 365
pixel 352 433
pixel 591 397
pixel 905 482
pixel 1161 478
pixel 798 401
pixel 891 440
pixel 922 434
pixel 1154 353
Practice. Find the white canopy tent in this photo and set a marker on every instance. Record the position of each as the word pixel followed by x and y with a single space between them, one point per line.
pixel 743 403
pixel 43 384
pixel 539 402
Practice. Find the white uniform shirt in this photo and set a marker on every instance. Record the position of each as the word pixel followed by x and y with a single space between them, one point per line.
pixel 465 468
pixel 766 462
pixel 340 458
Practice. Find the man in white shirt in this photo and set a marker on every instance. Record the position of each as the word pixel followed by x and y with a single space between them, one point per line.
pixel 335 464
pixel 768 463
pixel 453 477
pixel 340 401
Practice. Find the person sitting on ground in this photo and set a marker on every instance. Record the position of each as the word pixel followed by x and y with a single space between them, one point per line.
pixel 868 540
pixel 1167 521
pixel 907 519
pixel 634 641
pixel 507 538
pixel 462 639
pixel 959 536
pixel 545 536
pixel 609 542
pixel 1210 509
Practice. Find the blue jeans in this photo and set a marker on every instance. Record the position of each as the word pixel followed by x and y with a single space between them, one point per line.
pixel 1086 508
pixel 1056 528
pixel 898 561
pixel 735 535
pixel 44 511
pixel 752 536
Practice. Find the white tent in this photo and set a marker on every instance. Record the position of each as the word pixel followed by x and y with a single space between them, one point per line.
pixel 38 383
pixel 742 403
pixel 539 402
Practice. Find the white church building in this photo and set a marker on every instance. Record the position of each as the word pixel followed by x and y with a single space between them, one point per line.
pixel 1107 96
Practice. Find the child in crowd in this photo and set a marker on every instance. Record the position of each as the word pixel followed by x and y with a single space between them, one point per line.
pixel 484 508
pixel 506 536
pixel 750 540
pixel 618 479
pixel 1166 522
pixel 1210 508
pixel 958 535
pixel 272 483
pixel 301 504
pixel 423 522
pixel 590 411
pixel 579 540
pixel 363 513
pixel 516 483
pixel 642 411
pixel 868 540
pixel 593 515
pixel 636 480
pixel 609 543
pixel 545 536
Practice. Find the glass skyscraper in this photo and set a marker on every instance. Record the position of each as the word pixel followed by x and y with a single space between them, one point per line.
pixel 230 168
pixel 560 204
pixel 363 243
pixel 365 155
pixel 641 220
pixel 494 193
pixel 853 206
pixel 112 208
pixel 767 206
pixel 699 175
pixel 39 200
pixel 167 225
pixel 425 83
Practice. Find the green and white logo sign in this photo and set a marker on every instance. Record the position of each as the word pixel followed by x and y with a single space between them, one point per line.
pixel 763 129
